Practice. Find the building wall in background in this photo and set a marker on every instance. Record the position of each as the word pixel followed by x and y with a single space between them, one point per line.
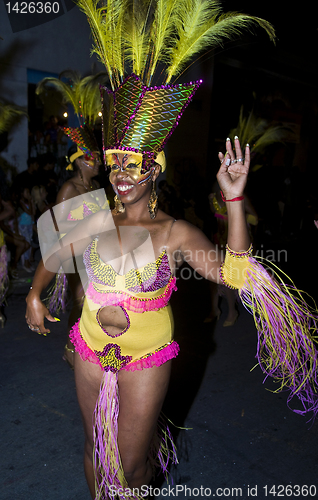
pixel 50 48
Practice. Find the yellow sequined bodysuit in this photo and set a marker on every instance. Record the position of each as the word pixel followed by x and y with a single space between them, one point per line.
pixel 143 295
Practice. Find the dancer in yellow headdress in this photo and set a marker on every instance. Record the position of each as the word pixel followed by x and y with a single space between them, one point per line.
pixel 72 199
pixel 124 339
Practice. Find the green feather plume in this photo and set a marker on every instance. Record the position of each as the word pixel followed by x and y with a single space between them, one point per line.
pixel 145 33
pixel 202 26
pixel 256 132
pixel 68 91
pixel 107 26
pixel 82 93
pixel 10 115
pixel 136 37
pixel 163 31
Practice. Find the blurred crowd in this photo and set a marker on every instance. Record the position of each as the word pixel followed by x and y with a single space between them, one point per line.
pixel 49 138
pixel 283 209
pixel 32 192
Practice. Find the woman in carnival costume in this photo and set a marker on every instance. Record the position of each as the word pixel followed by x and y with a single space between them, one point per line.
pixel 73 201
pixel 124 339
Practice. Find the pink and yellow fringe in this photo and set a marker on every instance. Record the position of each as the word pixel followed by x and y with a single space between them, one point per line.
pixel 287 333
pixel 107 461
pixel 56 299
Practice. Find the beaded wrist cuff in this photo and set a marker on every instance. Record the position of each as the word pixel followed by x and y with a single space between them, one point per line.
pixel 232 270
pixel 240 255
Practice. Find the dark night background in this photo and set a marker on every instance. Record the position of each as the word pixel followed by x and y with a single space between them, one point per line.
pixel 241 434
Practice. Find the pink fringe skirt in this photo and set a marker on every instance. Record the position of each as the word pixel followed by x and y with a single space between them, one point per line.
pixel 110 481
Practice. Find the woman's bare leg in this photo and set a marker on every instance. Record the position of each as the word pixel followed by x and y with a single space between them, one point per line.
pixel 88 378
pixel 141 396
pixel 232 312
pixel 215 311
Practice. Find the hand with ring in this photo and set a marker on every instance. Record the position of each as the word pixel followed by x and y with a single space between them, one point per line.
pixel 35 313
pixel 233 172
pixel 36 329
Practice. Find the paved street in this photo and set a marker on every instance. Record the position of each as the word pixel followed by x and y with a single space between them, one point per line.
pixel 243 438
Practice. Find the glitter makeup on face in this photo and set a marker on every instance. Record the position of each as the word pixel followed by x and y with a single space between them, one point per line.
pixel 130 163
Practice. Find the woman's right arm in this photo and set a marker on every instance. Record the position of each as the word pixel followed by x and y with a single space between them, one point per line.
pixel 36 311
pixel 71 245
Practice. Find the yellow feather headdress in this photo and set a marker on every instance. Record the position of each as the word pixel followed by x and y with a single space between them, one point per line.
pixel 137 38
pixel 82 93
pixel 84 96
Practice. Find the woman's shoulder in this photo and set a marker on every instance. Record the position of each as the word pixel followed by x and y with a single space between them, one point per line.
pixel 179 225
pixel 181 230
pixel 163 217
pixel 68 190
pixel 186 234
pixel 183 227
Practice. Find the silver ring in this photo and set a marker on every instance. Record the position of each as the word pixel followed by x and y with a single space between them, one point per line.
pixel 240 160
pixel 33 329
pixel 233 161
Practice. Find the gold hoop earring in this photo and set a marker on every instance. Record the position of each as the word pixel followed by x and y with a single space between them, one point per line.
pixel 153 202
pixel 119 207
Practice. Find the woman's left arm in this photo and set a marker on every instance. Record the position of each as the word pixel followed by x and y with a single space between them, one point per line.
pixel 195 248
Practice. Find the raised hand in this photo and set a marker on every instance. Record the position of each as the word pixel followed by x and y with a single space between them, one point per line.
pixel 232 175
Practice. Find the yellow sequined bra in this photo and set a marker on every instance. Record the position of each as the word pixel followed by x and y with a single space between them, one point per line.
pixel 84 210
pixel 139 290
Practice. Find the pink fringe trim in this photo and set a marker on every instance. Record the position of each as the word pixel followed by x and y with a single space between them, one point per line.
pixel 220 216
pixel 156 359
pixel 81 347
pixel 130 302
